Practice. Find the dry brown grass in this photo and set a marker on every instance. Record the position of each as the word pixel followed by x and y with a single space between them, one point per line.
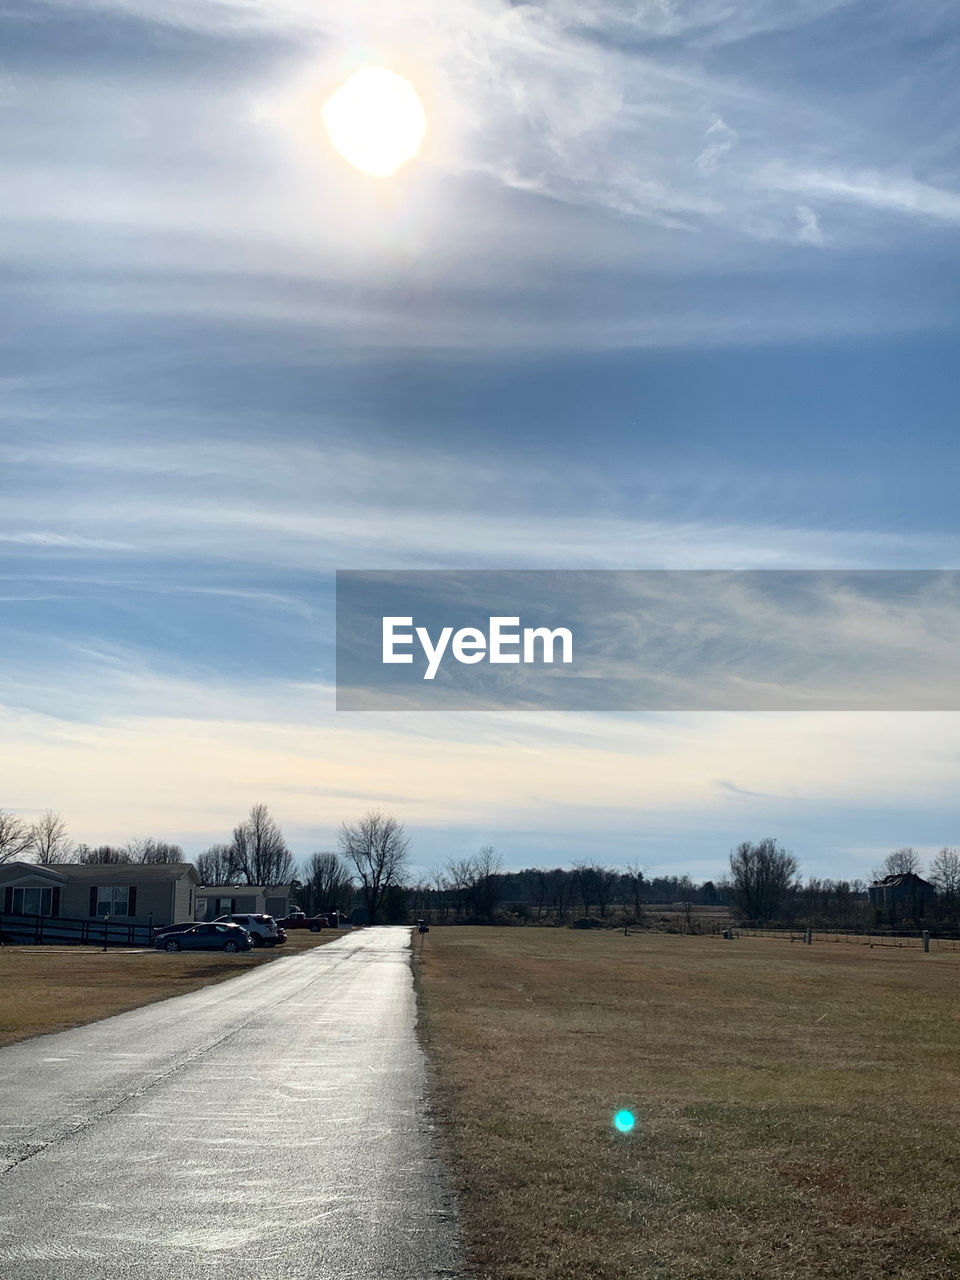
pixel 52 988
pixel 797 1106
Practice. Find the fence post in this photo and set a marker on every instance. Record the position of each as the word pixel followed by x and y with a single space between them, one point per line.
pixel 926 939
pixel 809 938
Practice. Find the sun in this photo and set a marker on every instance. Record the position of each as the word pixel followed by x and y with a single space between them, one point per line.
pixel 376 120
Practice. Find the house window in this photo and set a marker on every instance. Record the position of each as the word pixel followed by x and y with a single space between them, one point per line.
pixel 32 900
pixel 113 900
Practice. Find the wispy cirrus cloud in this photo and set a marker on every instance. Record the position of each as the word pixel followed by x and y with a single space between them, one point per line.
pixel 308 506
pixel 884 192
pixel 528 97
pixel 62 541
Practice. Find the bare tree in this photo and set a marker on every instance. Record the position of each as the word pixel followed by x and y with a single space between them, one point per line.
pixel 441 886
pixel 842 900
pixel 477 883
pixel 945 874
pixel 899 863
pixel 327 881
pixel 103 854
pixel 604 883
pixel 583 879
pixel 559 894
pixel 149 850
pixel 215 866
pixel 259 852
pixel 459 882
pixel 49 841
pixel 764 879
pixel 377 846
pixel 486 882
pixel 634 877
pixel 15 836
pixel 421 895
pixel 538 888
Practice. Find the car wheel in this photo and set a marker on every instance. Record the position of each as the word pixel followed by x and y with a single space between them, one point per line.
pixel 172 945
pixel 256 940
pixel 231 946
pixel 314 928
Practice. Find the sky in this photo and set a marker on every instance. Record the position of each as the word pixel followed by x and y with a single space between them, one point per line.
pixel 671 285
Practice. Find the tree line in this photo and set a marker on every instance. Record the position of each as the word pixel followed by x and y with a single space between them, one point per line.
pixel 369 869
pixel 763 886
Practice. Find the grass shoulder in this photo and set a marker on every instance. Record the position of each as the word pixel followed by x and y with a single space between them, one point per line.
pixel 46 989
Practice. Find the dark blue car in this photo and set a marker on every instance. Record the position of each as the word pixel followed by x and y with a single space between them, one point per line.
pixel 166 929
pixel 206 937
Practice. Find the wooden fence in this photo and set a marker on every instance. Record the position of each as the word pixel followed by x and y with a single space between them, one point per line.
pixel 861 937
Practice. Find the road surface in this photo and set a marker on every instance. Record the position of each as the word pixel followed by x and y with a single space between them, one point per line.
pixel 274 1125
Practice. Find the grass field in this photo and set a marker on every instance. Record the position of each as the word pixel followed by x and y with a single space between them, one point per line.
pixel 51 988
pixel 797 1106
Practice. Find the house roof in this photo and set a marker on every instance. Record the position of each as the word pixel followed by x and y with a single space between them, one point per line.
pixel 10 872
pixel 124 873
pixel 906 877
pixel 141 872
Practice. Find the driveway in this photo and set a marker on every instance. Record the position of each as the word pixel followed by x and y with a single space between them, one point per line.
pixel 274 1125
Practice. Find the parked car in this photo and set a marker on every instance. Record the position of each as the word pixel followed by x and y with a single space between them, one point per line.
pixel 262 929
pixel 299 920
pixel 165 929
pixel 294 920
pixel 206 937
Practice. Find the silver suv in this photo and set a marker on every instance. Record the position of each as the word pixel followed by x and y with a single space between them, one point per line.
pixel 262 929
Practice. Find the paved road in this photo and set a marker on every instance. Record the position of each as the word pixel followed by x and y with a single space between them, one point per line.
pixel 271 1126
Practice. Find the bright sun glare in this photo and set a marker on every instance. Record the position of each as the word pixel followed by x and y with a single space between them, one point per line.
pixel 376 120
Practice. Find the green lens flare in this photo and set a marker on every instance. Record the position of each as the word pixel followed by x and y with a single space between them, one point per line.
pixel 624 1121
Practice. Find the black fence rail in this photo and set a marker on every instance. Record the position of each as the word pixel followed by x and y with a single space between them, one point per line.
pixel 65 931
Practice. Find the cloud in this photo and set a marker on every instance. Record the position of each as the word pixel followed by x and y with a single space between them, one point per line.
pixel 882 192
pixel 653 19
pixel 63 541
pixel 810 230
pixel 306 506
pixel 720 139
pixel 707 22
pixel 528 99
pixel 564 781
pixel 731 788
pixel 580 191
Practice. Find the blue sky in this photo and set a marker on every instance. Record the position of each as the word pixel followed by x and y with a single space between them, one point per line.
pixel 672 285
